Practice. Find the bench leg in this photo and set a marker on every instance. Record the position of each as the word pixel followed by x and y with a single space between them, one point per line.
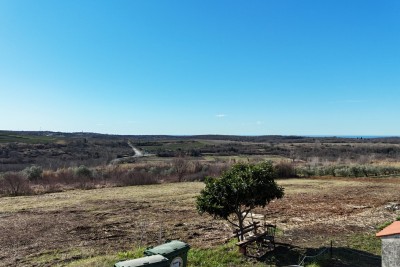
pixel 242 250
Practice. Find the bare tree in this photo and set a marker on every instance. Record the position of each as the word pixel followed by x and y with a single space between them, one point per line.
pixel 181 166
pixel 16 183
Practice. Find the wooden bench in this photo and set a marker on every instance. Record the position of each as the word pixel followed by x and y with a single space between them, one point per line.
pixel 252 235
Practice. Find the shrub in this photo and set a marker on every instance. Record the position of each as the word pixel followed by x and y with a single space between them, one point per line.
pixel 33 173
pixel 371 170
pixel 305 171
pixel 238 191
pixel 342 172
pixel 15 184
pixel 347 171
pixel 83 171
pixel 357 171
pixel 154 170
pixel 285 170
pixel 181 166
pixel 217 169
pixel 65 175
pixel 168 172
pixel 197 176
pixel 134 177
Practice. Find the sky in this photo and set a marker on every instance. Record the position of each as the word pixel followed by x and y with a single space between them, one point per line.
pixel 259 67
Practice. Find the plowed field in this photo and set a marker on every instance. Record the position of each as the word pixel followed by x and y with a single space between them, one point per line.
pixel 59 228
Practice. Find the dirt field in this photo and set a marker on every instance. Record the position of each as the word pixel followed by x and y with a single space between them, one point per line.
pixel 59 228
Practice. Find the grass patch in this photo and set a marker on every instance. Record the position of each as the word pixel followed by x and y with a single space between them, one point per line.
pixel 363 246
pixel 97 261
pixel 225 255
pixel 221 256
pixel 387 223
pixel 365 242
pixel 84 258
pixel 71 257
pixel 56 256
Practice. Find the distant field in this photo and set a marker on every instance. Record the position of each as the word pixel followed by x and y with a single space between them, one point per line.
pixel 53 150
pixel 93 227
pixel 29 139
pixel 100 226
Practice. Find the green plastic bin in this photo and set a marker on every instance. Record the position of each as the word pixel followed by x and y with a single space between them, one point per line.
pixel 176 252
pixel 151 261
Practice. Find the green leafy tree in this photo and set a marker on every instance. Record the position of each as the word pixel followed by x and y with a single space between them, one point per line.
pixel 239 190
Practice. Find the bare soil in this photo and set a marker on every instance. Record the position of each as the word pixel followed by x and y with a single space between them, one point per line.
pixel 61 227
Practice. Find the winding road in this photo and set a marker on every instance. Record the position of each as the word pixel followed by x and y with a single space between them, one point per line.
pixel 138 153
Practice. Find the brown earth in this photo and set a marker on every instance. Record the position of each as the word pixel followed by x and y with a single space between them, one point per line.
pixel 61 227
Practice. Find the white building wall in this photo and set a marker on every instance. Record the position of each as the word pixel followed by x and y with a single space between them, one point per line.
pixel 391 251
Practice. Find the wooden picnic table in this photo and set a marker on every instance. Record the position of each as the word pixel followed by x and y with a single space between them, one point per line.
pixel 253 237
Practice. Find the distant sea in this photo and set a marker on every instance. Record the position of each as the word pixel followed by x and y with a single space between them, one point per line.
pixel 352 136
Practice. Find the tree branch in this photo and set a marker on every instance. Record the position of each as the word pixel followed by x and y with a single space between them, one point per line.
pixel 246 213
pixel 231 222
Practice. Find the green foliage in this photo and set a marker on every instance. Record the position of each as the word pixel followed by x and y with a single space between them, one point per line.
pixel 347 171
pixel 305 171
pixel 384 225
pixel 238 191
pixel 221 256
pixel 387 223
pixel 33 173
pixel 322 262
pixel 83 171
pixel 365 242
pixel 132 254
pixel 313 264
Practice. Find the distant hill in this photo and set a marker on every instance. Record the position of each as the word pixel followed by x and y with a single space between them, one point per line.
pixel 52 150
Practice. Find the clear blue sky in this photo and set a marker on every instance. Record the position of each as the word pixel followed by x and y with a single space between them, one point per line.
pixel 201 67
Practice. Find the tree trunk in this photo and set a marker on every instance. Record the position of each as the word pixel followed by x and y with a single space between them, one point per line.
pixel 241 222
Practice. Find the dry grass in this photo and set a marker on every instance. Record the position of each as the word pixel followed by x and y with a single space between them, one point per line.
pixel 59 228
pixel 50 202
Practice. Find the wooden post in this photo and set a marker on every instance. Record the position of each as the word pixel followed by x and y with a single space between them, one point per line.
pixel 331 250
pixel 242 250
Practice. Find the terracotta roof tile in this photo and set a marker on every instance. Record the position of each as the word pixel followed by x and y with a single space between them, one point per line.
pixel 392 229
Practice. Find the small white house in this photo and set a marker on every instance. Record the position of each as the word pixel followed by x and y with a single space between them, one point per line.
pixel 390 237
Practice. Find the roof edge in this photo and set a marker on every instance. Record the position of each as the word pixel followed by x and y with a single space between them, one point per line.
pixel 392 229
